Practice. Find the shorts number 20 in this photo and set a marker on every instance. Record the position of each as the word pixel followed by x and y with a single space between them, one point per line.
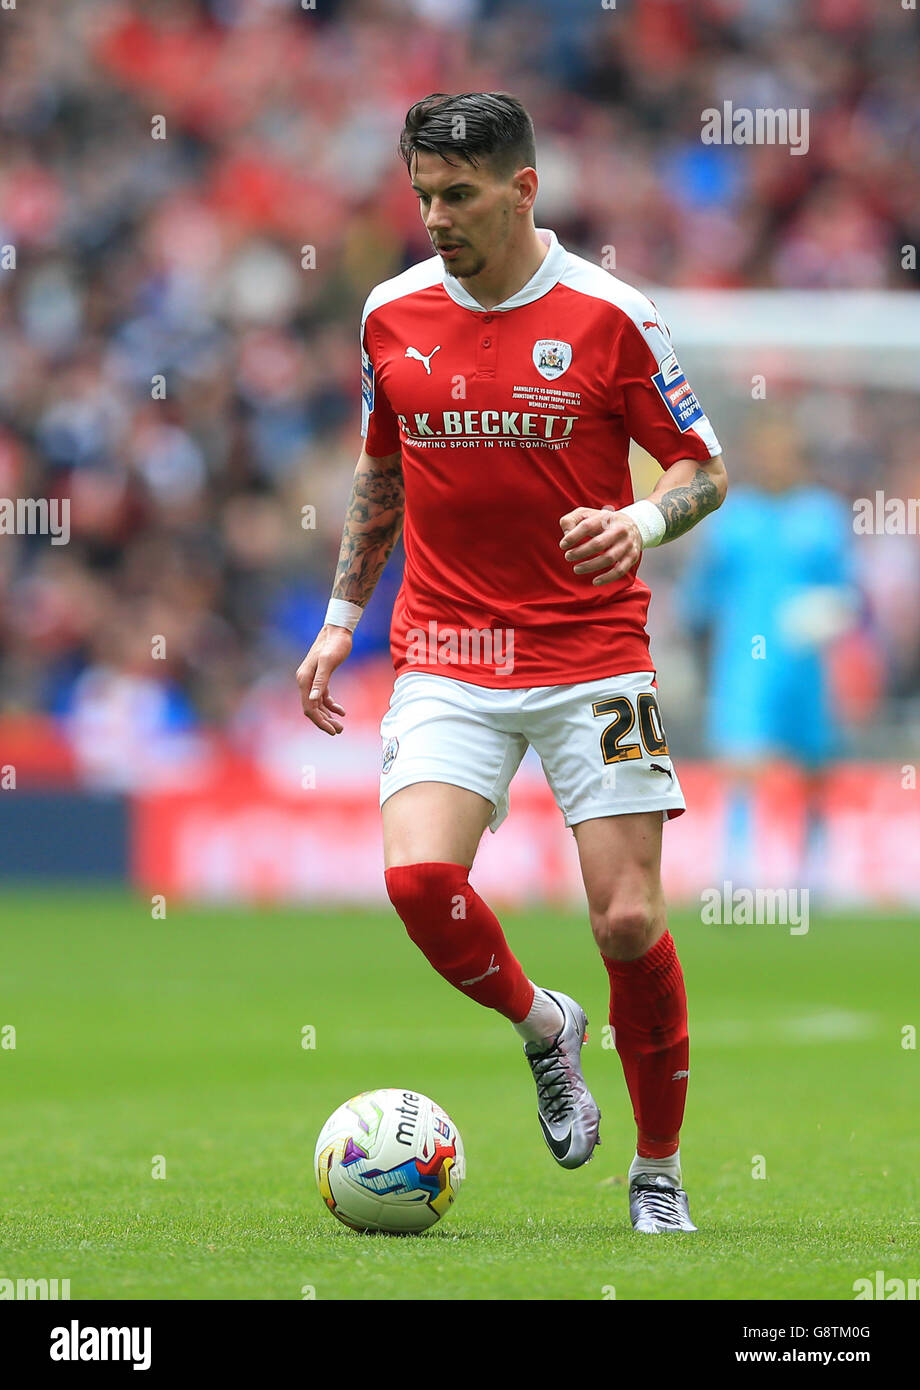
pixel 624 719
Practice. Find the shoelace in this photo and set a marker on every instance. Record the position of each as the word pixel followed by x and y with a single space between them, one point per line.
pixel 552 1080
pixel 660 1203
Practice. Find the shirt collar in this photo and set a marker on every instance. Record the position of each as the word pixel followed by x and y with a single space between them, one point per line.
pixel 547 274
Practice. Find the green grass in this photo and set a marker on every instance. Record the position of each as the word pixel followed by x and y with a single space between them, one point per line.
pixel 182 1038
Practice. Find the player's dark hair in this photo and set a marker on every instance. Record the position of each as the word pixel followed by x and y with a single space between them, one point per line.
pixel 474 126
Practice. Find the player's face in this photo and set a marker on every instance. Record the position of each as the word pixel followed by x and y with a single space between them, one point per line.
pixel 466 211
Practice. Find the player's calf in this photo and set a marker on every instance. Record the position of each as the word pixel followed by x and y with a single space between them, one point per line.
pixel 648 1014
pixel 460 935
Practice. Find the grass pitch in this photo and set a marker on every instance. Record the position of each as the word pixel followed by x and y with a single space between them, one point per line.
pixel 176 1046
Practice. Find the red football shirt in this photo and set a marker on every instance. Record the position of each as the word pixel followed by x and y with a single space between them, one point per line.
pixel 507 419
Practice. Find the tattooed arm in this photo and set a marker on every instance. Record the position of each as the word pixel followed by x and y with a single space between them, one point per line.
pixel 373 522
pixel 687 492
pixel 606 544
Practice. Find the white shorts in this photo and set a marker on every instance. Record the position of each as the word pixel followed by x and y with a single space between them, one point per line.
pixel 601 743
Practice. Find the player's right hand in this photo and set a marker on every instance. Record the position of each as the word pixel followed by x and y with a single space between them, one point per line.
pixel 329 650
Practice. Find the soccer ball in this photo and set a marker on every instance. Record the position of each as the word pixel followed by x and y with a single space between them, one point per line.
pixel 389 1161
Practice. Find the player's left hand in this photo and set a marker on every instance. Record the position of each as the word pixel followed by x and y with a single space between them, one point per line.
pixel 600 540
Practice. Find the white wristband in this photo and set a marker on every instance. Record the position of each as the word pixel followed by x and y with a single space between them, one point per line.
pixel 649 520
pixel 341 613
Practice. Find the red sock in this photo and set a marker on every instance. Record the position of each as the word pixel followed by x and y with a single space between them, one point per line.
pixel 460 935
pixel 648 1012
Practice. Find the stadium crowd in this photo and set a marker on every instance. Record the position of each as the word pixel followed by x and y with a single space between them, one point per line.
pixel 200 195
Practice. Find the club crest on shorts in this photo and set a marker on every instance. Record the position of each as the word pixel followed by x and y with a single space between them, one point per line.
pixel 551 357
pixel 390 749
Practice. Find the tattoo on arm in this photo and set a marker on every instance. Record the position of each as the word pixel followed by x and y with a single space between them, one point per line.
pixel 373 522
pixel 683 507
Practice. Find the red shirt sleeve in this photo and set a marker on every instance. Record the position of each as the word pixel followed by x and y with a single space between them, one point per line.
pixel 660 409
pixel 378 422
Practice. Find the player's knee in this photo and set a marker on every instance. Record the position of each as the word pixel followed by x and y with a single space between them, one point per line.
pixel 624 930
pixel 423 894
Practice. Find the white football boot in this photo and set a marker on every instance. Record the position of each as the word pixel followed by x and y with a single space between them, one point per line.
pixel 568 1113
pixel 656 1205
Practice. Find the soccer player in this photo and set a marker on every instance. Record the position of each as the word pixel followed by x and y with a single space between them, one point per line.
pixel 503 379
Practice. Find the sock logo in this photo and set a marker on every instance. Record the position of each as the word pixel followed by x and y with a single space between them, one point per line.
pixel 492 970
pixel 679 1075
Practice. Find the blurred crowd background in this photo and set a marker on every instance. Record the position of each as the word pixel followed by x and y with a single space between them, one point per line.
pixel 185 258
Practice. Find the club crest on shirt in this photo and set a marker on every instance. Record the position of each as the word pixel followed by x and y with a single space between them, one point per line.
pixel 390 749
pixel 551 357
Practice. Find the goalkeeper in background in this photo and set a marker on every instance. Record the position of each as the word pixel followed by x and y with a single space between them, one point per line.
pixel 770 589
